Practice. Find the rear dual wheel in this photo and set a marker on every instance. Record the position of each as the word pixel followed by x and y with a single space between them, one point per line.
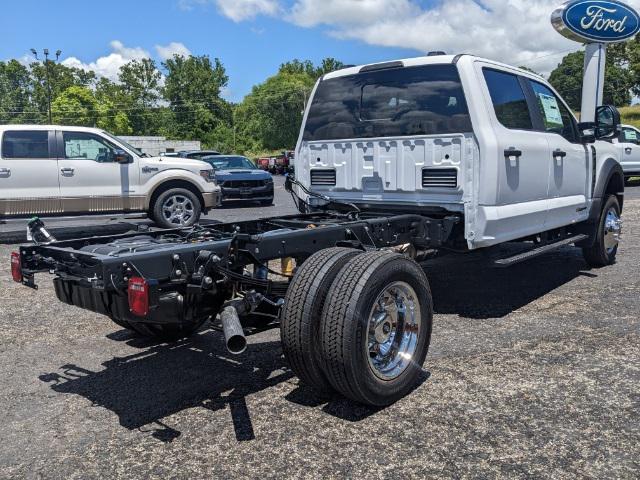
pixel 372 336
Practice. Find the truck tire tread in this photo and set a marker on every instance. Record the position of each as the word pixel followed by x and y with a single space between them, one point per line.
pixel 300 315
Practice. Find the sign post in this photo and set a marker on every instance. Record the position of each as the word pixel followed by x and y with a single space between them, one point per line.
pixel 596 23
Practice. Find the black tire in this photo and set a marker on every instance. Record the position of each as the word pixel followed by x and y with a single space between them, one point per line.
pixel 166 333
pixel 157 210
pixel 300 315
pixel 345 327
pixel 598 255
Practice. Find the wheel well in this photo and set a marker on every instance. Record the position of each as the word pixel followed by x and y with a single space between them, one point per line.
pixel 616 187
pixel 163 187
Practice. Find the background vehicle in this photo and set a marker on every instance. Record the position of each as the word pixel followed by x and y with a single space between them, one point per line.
pixel 629 150
pixel 240 179
pixel 437 153
pixel 197 154
pixel 53 170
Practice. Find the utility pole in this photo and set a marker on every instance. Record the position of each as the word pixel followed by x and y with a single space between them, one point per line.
pixel 47 65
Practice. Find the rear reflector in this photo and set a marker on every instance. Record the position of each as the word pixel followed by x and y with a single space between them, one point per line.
pixel 138 296
pixel 16 267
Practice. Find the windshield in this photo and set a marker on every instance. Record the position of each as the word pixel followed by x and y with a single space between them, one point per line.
pixel 424 100
pixel 231 163
pixel 126 145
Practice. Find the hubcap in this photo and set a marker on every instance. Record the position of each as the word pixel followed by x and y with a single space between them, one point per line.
pixel 393 330
pixel 178 210
pixel 612 230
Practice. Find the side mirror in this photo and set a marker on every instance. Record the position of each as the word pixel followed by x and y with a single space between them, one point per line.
pixel 608 122
pixel 120 156
pixel 587 132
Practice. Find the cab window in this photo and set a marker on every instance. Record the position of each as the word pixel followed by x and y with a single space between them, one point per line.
pixel 556 117
pixel 509 100
pixel 25 144
pixel 630 135
pixel 87 146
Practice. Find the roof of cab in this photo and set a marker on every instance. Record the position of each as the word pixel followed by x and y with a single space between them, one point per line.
pixel 26 126
pixel 418 61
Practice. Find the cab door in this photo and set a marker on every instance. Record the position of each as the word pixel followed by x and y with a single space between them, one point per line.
pixel 28 173
pixel 629 150
pixel 519 166
pixel 569 161
pixel 91 180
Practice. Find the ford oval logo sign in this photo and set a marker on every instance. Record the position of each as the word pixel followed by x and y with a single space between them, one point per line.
pixel 600 21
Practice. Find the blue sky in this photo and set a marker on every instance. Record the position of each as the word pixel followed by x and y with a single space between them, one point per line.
pixel 253 37
pixel 251 50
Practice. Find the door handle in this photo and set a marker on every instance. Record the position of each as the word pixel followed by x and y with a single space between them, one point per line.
pixel 67 171
pixel 5 171
pixel 628 150
pixel 512 152
pixel 559 154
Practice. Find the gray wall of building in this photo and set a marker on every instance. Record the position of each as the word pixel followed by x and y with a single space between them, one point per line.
pixel 155 146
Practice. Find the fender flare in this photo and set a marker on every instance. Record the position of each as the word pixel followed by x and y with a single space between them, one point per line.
pixel 610 169
pixel 181 182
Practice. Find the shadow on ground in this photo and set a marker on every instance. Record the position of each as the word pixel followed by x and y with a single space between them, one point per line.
pixel 162 379
pixel 470 286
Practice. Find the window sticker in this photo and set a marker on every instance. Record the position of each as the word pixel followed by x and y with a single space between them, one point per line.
pixel 551 109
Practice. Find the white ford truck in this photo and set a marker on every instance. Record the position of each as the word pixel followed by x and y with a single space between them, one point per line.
pixel 435 153
pixel 56 170
pixel 628 144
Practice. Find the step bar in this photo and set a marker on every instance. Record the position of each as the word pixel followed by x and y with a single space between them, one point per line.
pixel 536 252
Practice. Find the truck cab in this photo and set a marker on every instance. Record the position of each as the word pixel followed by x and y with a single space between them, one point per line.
pixel 443 134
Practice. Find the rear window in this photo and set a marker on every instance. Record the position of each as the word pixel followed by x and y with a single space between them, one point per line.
pixel 425 100
pixel 25 144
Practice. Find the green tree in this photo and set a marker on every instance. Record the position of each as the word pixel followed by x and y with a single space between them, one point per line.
pixel 192 87
pixel 567 79
pixel 140 87
pixel 15 94
pixel 272 114
pixel 61 78
pixel 78 105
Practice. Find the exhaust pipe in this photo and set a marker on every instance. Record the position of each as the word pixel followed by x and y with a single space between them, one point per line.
pixel 233 333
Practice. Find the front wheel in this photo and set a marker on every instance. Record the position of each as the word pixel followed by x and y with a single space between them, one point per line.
pixel 376 328
pixel 607 236
pixel 177 208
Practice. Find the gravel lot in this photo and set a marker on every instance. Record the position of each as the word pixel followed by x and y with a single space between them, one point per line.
pixel 532 372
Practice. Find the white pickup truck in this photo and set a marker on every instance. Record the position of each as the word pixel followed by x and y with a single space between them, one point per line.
pixel 437 153
pixel 55 170
pixel 628 144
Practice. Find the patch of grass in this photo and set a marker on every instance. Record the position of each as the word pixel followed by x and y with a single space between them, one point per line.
pixel 631 115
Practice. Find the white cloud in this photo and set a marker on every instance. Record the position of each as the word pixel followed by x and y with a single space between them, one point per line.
pixel 513 31
pixel 308 13
pixel 109 65
pixel 236 10
pixel 174 48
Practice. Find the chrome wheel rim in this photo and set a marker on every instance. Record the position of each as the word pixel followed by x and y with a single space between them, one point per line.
pixel 393 331
pixel 612 230
pixel 178 210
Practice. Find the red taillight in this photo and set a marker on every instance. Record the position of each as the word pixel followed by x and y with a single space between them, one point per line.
pixel 16 267
pixel 139 296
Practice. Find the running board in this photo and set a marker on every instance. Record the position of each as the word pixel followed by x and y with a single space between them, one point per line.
pixel 536 252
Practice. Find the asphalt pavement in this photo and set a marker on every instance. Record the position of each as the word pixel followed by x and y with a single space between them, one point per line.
pixel 533 372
